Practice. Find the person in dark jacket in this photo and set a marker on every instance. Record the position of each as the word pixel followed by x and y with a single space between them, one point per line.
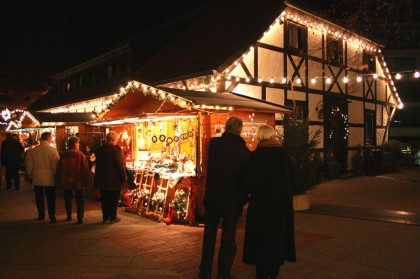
pixel 224 197
pixel 110 176
pixel 269 230
pixel 11 157
pixel 73 173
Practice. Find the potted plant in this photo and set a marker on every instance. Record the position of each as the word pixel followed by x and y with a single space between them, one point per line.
pixel 393 148
pixel 331 165
pixel 357 161
pixel 306 160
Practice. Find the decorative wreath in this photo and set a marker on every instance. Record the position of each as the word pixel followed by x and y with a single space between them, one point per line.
pixel 176 138
pixel 154 139
pixel 169 140
pixel 184 136
pixel 162 138
pixel 190 134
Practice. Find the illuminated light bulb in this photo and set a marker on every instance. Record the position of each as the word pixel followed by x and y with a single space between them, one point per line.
pixel 359 79
pixel 284 80
pixel 298 81
pixel 328 80
pixel 345 79
pixel 227 71
pixel 238 79
pixel 271 80
pixel 260 80
pixel 218 77
pixel 172 98
pixel 251 48
pixel 375 76
pixel 313 80
pixel 416 74
pixel 217 107
pixel 398 76
pixel 401 105
pixel 122 89
pixel 384 64
pixel 236 63
pixel 247 79
pixel 228 77
pixel 230 108
pixel 192 86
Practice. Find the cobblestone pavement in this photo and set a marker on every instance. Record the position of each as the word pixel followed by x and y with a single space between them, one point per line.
pixel 339 237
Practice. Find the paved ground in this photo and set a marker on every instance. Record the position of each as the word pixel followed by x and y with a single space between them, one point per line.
pixel 364 227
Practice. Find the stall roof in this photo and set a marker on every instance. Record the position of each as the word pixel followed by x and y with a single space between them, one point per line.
pixel 44 117
pixel 146 99
pixel 234 100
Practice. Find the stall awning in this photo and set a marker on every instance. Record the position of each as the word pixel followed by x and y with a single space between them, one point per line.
pixel 236 101
pixel 138 98
pixel 45 117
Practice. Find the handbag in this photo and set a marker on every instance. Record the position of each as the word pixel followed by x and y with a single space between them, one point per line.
pixel 131 185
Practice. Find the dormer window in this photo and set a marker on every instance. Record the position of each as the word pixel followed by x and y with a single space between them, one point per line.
pixel 296 36
pixel 369 62
pixel 334 50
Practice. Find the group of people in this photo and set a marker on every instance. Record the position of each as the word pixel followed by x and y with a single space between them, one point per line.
pixel 264 179
pixel 46 169
pixel 235 176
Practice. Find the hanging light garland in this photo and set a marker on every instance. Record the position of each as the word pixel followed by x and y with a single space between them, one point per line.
pixel 336 113
pixel 16 123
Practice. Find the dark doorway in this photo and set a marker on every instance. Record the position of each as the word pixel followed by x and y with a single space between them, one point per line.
pixel 336 131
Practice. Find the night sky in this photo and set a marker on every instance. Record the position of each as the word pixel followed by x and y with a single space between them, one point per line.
pixel 43 37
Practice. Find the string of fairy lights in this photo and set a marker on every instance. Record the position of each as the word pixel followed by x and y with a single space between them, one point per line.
pixel 12 120
pixel 292 14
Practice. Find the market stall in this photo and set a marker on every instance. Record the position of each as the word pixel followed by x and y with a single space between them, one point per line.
pixel 164 137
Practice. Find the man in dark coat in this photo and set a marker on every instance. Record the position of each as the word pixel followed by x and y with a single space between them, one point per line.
pixel 225 196
pixel 11 158
pixel 110 176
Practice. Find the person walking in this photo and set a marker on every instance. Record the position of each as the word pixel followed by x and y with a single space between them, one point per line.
pixel 224 197
pixel 73 173
pixel 41 165
pixel 269 229
pixel 11 158
pixel 110 176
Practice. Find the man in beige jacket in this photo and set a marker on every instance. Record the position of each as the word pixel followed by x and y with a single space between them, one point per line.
pixel 41 164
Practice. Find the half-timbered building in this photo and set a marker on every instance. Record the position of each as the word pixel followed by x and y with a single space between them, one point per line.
pixel 271 50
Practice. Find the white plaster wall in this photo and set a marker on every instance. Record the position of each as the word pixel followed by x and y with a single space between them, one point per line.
pixel 379 135
pixel 328 73
pixel 385 117
pixel 270 64
pixel 291 70
pixel 355 112
pixel 354 56
pixel 274 36
pixel 295 95
pixel 248 90
pixel 380 90
pixel 315 70
pixel 249 62
pixel 238 71
pixel 313 101
pixel 354 88
pixel 356 136
pixel 379 115
pixel 370 106
pixel 280 130
pixel 275 95
pixel 369 96
pixel 314 43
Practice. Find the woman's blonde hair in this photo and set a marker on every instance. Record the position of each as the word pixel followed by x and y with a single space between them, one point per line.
pixel 265 132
